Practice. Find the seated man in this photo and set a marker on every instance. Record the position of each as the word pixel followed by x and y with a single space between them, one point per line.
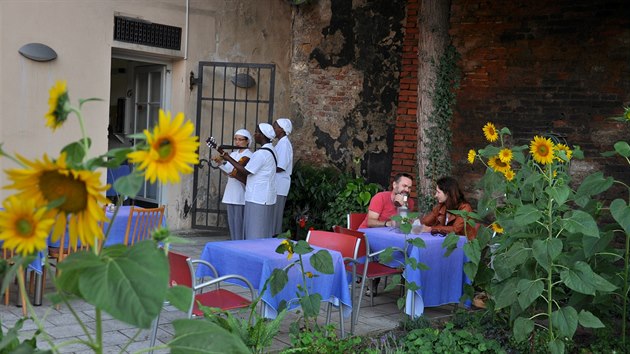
pixel 384 205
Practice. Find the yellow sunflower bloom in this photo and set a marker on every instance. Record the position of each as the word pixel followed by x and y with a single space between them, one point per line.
pixel 509 174
pixel 172 149
pixel 309 274
pixel 505 155
pixel 58 105
pixel 490 132
pixel 78 196
pixel 24 227
pixel 496 164
pixel 289 247
pixel 542 150
pixel 566 150
pixel 496 228
pixel 471 155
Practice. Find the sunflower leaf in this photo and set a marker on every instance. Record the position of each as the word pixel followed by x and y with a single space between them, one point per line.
pixel 129 185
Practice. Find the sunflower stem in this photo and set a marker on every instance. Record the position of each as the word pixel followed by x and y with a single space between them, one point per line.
pixel 3 153
pixel 99 331
pixel 83 133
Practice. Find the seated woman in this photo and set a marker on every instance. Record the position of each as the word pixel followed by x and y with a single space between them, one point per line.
pixel 439 220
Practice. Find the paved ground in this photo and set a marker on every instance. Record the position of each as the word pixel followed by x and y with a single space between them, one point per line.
pixel 119 337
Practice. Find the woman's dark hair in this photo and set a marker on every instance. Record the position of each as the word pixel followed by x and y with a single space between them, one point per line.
pixel 450 187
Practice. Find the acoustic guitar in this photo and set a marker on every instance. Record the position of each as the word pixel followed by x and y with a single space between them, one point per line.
pixel 212 143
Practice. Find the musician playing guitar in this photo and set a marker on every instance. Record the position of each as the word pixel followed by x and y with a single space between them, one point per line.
pixel 260 190
pixel 234 195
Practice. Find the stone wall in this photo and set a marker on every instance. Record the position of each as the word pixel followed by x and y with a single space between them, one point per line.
pixel 345 84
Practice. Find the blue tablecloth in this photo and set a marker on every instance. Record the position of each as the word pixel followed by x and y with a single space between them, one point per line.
pixel 113 175
pixel 256 260
pixel 442 283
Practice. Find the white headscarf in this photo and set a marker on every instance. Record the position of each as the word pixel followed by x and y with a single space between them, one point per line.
pixel 245 133
pixel 285 124
pixel 267 130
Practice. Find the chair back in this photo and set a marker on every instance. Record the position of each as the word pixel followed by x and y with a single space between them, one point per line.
pixel 347 245
pixel 364 248
pixel 355 220
pixel 180 270
pixel 141 223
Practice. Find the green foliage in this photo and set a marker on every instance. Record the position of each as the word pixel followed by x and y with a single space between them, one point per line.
pixel 322 341
pixel 10 341
pixel 192 336
pixel 449 340
pixel 321 197
pixel 438 133
pixel 554 266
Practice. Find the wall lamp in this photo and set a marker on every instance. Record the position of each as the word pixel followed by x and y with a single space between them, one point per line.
pixel 38 52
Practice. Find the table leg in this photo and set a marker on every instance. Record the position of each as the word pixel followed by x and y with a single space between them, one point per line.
pixel 37 296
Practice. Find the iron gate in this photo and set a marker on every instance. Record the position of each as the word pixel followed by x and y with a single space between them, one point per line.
pixel 230 96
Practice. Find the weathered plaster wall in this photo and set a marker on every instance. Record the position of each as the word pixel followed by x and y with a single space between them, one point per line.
pixel 344 83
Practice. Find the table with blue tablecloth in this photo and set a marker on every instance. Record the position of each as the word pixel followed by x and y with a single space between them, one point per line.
pixel 441 284
pixel 256 259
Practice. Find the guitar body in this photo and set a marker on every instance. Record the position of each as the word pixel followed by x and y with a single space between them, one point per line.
pixel 241 177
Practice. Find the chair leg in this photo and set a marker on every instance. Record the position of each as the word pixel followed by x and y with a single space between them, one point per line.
pixel 358 304
pixel 341 324
pixel 373 289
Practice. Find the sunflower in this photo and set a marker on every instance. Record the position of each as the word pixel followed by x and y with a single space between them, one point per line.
pixel 496 228
pixel 289 247
pixel 505 155
pixel 309 274
pixel 542 150
pixel 496 164
pixel 471 155
pixel 24 227
pixel 490 132
pixel 509 174
pixel 172 149
pixel 58 103
pixel 567 152
pixel 76 196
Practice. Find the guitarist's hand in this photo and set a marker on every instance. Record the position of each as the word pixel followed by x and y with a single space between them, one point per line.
pixel 218 159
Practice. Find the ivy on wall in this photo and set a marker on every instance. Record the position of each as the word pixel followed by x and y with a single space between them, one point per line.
pixel 438 132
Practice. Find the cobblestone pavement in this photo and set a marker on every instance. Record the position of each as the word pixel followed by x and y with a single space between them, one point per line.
pixel 119 337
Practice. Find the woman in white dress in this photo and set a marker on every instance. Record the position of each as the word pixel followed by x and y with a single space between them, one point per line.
pixel 234 195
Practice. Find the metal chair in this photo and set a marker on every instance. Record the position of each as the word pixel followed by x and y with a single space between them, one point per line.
pixel 141 223
pixel 354 220
pixel 349 247
pixel 370 269
pixel 182 272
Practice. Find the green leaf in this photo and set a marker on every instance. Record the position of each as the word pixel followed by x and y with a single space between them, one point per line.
pixel 302 247
pixel 621 213
pixel 529 291
pixel 322 262
pixel 180 296
pixel 582 279
pixel 556 346
pixel 622 148
pixel 559 194
pixel 130 184
pixel 587 319
pixel 504 293
pixel 310 304
pixel 522 328
pixel 450 243
pixel 202 336
pixel 278 281
pixel 546 250
pixel 592 185
pixel 582 223
pixel 131 287
pixel 593 245
pixel 470 269
pixel 526 215
pixel 565 320
pixel 75 152
pixel 417 242
pixel 473 251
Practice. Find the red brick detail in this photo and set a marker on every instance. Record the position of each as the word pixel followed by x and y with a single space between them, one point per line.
pixel 405 131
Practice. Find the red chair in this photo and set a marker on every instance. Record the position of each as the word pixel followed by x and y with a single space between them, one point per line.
pixel 370 269
pixel 182 273
pixel 355 220
pixel 349 248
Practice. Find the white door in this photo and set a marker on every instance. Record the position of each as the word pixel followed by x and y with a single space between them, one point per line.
pixel 149 96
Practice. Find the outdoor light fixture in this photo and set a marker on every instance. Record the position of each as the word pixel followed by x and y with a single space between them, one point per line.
pixel 38 52
pixel 243 80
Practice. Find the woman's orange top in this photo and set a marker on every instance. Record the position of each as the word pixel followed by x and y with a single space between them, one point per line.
pixel 436 219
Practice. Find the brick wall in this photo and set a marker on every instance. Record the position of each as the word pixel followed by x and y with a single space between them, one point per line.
pixel 540 67
pixel 405 131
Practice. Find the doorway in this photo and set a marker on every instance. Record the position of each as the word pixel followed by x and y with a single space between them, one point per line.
pixel 137 92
